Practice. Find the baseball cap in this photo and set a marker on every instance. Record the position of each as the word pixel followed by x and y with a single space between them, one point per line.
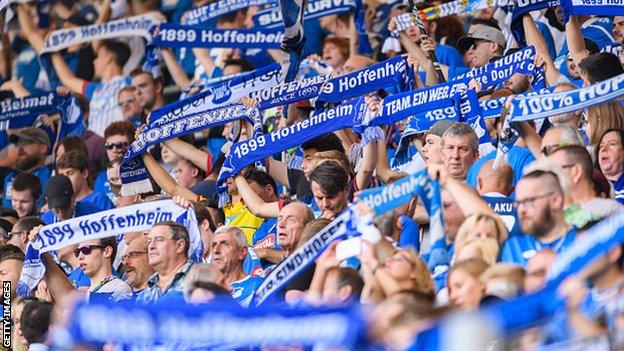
pixel 482 33
pixel 30 135
pixel 59 191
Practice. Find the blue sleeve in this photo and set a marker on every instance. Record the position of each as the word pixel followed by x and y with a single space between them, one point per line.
pixel 448 55
pixel 89 89
pixel 104 203
pixel 509 252
pixel 409 233
pixel 520 159
pixel 48 217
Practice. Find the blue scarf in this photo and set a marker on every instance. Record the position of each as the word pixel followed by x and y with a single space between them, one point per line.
pixel 244 153
pixel 458 7
pixel 599 8
pixel 520 9
pixel 226 93
pixel 272 17
pixel 492 108
pixel 134 218
pixel 141 25
pixel 134 176
pixel 288 93
pixel 24 112
pixel 176 36
pixel 219 8
pixel 395 73
pixel 219 324
pixel 495 73
pixel 533 107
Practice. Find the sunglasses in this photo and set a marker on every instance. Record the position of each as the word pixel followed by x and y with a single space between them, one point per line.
pixel 120 145
pixel 86 250
pixel 126 101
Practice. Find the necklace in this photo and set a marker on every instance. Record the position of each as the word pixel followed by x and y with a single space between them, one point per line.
pixel 102 283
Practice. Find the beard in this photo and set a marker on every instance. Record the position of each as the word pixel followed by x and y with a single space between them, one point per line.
pixel 539 226
pixel 28 162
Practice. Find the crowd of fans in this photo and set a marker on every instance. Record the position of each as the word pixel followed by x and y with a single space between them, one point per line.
pixel 504 226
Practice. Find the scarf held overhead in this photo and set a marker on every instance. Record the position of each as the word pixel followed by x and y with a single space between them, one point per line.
pixel 272 18
pixel 176 35
pixel 134 218
pixel 219 8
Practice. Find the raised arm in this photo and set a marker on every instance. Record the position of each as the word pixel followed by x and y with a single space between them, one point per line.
pixel 367 167
pixel 175 69
pixel 164 179
pixel 254 203
pixel 183 149
pixel 576 44
pixel 103 17
pixel 278 170
pixel 31 32
pixel 535 38
pixel 203 56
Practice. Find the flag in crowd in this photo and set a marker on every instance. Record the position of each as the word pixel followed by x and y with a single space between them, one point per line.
pixel 344 174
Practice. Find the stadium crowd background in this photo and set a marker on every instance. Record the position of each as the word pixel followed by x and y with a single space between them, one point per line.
pixel 503 226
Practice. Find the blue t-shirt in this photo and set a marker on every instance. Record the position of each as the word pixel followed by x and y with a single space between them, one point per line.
pixel 43 173
pixel 448 55
pixel 78 278
pixel 99 200
pixel 27 67
pixel 102 186
pixel 503 206
pixel 82 209
pixel 265 237
pixel 518 158
pixel 244 289
pixel 618 186
pixel 520 248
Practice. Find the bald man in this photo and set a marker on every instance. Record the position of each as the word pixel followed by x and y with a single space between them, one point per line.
pixel 495 186
pixel 356 63
pixel 137 268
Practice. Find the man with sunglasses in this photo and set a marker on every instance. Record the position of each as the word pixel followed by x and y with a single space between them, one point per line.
pixel 129 106
pixel 95 258
pixel 483 45
pixel 118 136
pixel 539 204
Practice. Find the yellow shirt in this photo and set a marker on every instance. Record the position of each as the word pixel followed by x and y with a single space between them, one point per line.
pixel 239 216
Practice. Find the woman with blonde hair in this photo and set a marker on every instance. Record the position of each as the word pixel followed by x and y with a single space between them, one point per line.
pixel 464 287
pixel 602 117
pixel 481 225
pixel 402 270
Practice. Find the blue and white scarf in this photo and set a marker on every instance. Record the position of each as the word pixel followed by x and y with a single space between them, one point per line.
pixel 272 18
pixel 141 25
pixel 217 325
pixel 492 108
pixel 495 73
pixel 288 93
pixel 392 73
pixel 598 8
pixel 134 218
pixel 527 108
pixel 134 176
pixel 219 8
pixel 459 7
pixel 26 111
pixel 176 36
pixel 220 95
pixel 521 8
pixel 249 151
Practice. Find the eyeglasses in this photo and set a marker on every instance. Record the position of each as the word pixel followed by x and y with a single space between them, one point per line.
pixel 120 145
pixel 9 235
pixel 530 200
pixel 133 255
pixel 126 101
pixel 86 250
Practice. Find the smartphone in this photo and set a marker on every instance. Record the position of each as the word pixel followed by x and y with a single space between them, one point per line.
pixel 348 248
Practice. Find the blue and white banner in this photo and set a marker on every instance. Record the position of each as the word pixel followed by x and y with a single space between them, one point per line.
pixel 141 25
pixel 592 7
pixel 302 257
pixel 249 151
pixel 392 73
pixel 521 8
pixel 495 73
pixel 288 93
pixel 176 36
pixel 134 175
pixel 226 93
pixel 534 107
pixel 492 108
pixel 459 7
pixel 214 325
pixel 219 8
pixel 118 221
pixel 272 18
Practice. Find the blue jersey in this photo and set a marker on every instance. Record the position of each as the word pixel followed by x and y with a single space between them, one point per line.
pixel 449 56
pixel 503 206
pixel 244 289
pixel 518 158
pixel 43 173
pixel 102 186
pixel 82 209
pixel 520 248
pixel 99 200
pixel 618 186
pixel 78 278
pixel 265 236
pixel 252 265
